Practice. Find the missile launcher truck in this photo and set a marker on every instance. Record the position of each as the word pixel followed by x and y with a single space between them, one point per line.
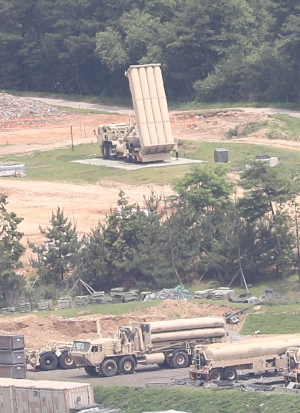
pixel 166 343
pixel 253 356
pixel 149 138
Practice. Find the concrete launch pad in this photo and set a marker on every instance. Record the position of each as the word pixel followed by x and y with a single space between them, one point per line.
pixel 134 167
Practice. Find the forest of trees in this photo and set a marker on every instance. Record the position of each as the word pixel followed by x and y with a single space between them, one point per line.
pixel 234 50
pixel 203 230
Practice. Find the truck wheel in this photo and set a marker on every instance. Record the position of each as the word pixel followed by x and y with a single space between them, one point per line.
pixel 106 150
pixel 109 368
pixel 216 374
pixel 66 362
pixel 180 360
pixel 91 370
pixel 127 365
pixel 230 373
pixel 48 361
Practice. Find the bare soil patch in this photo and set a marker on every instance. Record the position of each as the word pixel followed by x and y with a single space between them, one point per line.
pixel 38 330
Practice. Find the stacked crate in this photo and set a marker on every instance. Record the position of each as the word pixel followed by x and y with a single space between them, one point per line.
pixel 12 356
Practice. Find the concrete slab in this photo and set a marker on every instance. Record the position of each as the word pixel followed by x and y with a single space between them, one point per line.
pixel 134 167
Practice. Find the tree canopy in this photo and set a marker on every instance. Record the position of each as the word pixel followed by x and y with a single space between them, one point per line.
pixel 224 51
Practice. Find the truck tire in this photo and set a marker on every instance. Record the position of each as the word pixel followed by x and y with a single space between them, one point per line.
pixel 216 374
pixel 180 360
pixel 48 361
pixel 65 362
pixel 109 368
pixel 106 150
pixel 91 371
pixel 230 373
pixel 127 365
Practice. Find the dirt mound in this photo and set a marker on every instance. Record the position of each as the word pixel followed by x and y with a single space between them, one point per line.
pixel 38 330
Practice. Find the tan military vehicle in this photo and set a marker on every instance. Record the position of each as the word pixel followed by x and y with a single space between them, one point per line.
pixel 226 360
pixel 166 343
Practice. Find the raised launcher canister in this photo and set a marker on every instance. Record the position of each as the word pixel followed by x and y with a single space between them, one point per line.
pixel 151 112
pixel 173 341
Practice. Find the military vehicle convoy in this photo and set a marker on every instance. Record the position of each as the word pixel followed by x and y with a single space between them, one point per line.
pixel 223 361
pixel 149 138
pixel 166 343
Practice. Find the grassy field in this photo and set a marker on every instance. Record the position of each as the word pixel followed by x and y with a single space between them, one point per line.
pixel 195 400
pixel 56 165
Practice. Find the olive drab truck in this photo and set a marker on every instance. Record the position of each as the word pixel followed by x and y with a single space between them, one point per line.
pixel 147 138
pixel 224 361
pixel 166 343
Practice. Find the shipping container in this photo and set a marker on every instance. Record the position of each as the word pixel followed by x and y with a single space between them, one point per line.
pixel 12 357
pixel 6 398
pixel 11 342
pixel 30 396
pixel 15 371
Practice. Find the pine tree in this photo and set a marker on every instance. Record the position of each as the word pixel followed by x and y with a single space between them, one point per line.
pixel 57 257
pixel 11 249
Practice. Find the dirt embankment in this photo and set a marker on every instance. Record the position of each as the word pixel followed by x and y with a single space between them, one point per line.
pixel 38 330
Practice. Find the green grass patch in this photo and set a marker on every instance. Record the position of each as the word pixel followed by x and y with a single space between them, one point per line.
pixel 112 309
pixel 284 127
pixel 195 400
pixel 273 319
pixel 56 165
pixel 246 129
pixel 239 154
pixel 83 111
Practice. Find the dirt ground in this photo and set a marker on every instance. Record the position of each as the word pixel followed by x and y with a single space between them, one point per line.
pixel 86 205
pixel 38 330
pixel 35 201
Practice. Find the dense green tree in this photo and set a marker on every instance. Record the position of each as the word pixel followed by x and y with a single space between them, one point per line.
pixel 266 191
pixel 11 251
pixel 57 258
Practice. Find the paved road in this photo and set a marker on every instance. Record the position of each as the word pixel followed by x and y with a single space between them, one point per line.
pixel 129 111
pixel 85 105
pixel 148 375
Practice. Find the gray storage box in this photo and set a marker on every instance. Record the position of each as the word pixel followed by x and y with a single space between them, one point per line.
pixel 11 342
pixel 221 155
pixel 17 371
pixel 12 357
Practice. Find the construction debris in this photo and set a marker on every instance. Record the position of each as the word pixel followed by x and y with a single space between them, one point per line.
pixel 45 305
pixel 22 109
pixel 177 293
pixel 8 310
pixel 17 170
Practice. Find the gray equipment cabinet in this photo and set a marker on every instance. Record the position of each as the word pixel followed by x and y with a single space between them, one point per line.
pixel 221 155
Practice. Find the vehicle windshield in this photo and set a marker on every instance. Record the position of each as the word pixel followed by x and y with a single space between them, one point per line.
pixel 81 346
